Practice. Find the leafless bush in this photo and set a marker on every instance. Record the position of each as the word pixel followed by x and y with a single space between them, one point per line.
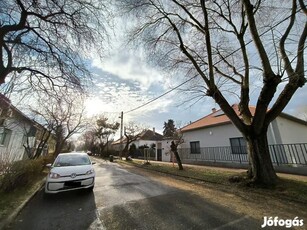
pixel 21 173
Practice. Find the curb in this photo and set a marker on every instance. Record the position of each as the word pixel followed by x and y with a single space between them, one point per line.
pixel 13 215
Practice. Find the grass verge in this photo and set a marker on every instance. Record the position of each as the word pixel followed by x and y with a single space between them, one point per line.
pixel 11 201
pixel 286 189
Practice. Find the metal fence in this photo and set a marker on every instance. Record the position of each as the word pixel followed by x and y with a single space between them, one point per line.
pixel 281 154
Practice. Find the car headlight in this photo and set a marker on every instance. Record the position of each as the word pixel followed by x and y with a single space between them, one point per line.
pixel 54 175
pixel 90 172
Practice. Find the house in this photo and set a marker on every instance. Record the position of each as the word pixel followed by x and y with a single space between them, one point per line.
pixel 16 132
pixel 215 138
pixel 146 138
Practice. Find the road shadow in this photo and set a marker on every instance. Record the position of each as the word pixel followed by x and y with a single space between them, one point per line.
pixel 67 210
pixel 133 201
pixel 176 211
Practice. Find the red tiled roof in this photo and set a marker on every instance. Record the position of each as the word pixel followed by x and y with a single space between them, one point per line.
pixel 215 118
pixel 219 118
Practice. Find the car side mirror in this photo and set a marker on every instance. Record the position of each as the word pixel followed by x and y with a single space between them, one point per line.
pixel 93 162
pixel 48 165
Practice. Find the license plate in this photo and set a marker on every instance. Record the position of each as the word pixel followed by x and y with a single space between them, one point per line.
pixel 73 183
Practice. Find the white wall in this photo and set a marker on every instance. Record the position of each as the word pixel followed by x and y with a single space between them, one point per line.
pixel 144 142
pixel 291 132
pixel 281 131
pixel 166 150
pixel 139 143
pixel 14 150
pixel 212 136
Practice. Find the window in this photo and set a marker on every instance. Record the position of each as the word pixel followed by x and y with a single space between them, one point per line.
pixel 238 145
pixel 195 147
pixel 5 135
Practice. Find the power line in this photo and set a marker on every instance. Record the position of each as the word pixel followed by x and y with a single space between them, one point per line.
pixel 183 83
pixel 162 95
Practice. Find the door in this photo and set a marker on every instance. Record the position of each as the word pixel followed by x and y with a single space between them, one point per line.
pixel 159 151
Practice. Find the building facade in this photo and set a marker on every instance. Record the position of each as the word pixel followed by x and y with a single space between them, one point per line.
pixel 215 138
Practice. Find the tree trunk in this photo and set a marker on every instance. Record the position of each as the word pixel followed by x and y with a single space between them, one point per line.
pixel 125 150
pixel 261 170
pixel 178 160
pixel 174 148
pixel 58 148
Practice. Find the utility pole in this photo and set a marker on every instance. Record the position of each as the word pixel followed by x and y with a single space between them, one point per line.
pixel 121 129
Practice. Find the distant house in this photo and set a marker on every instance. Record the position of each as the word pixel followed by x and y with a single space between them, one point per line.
pixel 215 138
pixel 146 139
pixel 16 132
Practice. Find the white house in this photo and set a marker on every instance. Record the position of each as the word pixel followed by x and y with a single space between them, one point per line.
pixel 15 130
pixel 146 138
pixel 214 137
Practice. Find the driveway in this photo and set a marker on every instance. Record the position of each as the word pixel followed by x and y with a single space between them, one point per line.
pixel 125 200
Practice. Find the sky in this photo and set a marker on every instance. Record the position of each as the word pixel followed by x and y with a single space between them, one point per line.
pixel 124 81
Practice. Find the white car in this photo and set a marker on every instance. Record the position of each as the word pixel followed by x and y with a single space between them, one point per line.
pixel 70 171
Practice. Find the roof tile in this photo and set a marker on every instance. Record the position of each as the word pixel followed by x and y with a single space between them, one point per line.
pixel 215 118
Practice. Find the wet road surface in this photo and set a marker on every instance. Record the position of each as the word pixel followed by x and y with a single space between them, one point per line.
pixel 124 200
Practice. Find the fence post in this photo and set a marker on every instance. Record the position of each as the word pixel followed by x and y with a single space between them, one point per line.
pixel 297 154
pixel 273 146
pixel 214 156
pixel 303 152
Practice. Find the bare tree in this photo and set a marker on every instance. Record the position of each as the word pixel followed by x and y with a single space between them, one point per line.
pixel 132 132
pixel 231 46
pixel 46 42
pixel 104 130
pixel 175 135
pixel 177 140
pixel 63 115
pixel 89 140
pixel 41 136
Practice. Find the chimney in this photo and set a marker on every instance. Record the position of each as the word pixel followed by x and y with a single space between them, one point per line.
pixel 213 110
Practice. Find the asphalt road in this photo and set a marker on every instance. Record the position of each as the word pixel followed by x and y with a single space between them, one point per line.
pixel 123 200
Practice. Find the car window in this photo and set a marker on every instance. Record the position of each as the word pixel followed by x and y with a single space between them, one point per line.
pixel 71 160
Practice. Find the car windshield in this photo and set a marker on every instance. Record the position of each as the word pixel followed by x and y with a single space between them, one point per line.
pixel 71 160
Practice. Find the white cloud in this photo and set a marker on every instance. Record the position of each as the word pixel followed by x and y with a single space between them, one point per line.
pixel 131 67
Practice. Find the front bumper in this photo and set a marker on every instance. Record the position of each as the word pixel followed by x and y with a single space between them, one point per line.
pixel 68 185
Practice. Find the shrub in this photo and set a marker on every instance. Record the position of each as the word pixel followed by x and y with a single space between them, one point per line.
pixel 21 173
pixel 105 153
